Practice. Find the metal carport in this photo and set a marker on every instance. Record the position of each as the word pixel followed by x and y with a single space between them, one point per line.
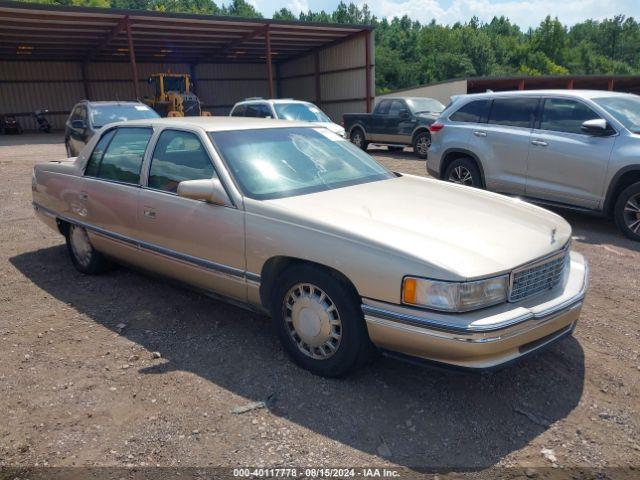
pixel 52 56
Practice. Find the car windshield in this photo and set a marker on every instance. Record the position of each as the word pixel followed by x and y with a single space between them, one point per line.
pixel 430 105
pixel 625 109
pixel 283 162
pixel 305 112
pixel 102 115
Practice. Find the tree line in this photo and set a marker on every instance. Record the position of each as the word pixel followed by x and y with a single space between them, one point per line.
pixel 410 53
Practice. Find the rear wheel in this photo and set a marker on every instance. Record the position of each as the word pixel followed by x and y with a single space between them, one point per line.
pixel 85 258
pixel 319 321
pixel 627 211
pixel 464 171
pixel 358 139
pixel 421 144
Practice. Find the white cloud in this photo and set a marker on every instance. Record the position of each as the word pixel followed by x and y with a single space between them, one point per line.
pixel 522 12
pixel 297 6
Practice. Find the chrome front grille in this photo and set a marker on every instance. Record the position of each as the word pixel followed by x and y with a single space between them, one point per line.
pixel 538 277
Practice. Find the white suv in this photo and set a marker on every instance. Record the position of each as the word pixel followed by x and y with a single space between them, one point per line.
pixel 284 109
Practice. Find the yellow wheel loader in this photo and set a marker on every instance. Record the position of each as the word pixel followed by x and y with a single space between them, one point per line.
pixel 173 96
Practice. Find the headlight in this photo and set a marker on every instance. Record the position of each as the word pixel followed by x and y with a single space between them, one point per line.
pixel 454 296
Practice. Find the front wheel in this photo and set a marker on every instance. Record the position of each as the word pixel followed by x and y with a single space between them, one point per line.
pixel 464 171
pixel 84 257
pixel 358 139
pixel 421 144
pixel 627 211
pixel 319 322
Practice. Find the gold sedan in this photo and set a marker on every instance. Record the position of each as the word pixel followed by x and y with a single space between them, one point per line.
pixel 347 257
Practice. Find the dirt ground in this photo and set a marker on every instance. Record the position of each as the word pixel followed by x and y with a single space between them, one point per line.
pixel 76 390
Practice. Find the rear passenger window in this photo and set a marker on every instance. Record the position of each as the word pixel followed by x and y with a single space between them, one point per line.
pixel 238 111
pixel 562 115
pixel 514 112
pixel 383 108
pixel 257 110
pixel 473 112
pixel 96 156
pixel 123 158
pixel 178 156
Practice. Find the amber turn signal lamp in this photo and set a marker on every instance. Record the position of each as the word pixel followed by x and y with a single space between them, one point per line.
pixel 409 290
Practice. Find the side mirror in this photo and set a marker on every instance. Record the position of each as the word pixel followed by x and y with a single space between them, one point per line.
pixel 210 190
pixel 79 124
pixel 404 113
pixel 597 127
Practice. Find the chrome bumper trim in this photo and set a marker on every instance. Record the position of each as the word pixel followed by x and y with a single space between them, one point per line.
pixel 150 247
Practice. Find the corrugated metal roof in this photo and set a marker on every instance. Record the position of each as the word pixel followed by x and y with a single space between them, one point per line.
pixel 44 32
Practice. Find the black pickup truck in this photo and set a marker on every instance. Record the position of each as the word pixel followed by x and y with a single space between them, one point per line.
pixel 396 122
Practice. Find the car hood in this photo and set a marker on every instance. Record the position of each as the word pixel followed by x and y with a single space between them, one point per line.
pixel 468 233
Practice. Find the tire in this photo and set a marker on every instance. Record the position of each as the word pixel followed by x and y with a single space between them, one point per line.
pixel 627 211
pixel 464 171
pixel 358 139
pixel 309 304
pixel 421 143
pixel 84 257
pixel 395 149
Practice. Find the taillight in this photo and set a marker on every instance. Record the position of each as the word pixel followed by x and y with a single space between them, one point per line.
pixel 436 127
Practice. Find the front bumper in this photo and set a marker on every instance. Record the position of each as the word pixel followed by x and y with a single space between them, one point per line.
pixel 482 339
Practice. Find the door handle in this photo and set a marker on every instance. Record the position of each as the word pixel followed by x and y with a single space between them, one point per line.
pixel 540 143
pixel 478 133
pixel 149 212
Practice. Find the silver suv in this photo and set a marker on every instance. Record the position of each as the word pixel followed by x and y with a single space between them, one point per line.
pixel 569 148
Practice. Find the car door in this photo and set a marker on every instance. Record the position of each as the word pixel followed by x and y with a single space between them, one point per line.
pixel 193 241
pixel 378 121
pixel 110 190
pixel 502 144
pixel 565 164
pixel 399 123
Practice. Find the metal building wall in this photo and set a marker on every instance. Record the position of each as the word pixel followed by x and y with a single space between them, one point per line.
pixel 442 91
pixel 57 86
pixel 341 79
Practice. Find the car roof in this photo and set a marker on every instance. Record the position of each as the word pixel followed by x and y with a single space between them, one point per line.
pixel 407 98
pixel 271 100
pixel 110 102
pixel 217 124
pixel 565 93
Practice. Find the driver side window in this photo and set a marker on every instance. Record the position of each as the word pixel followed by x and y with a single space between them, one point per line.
pixel 178 156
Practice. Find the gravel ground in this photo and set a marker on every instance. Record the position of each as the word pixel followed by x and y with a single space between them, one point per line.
pixel 77 390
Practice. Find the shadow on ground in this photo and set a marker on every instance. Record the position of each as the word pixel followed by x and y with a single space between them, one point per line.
pixel 416 417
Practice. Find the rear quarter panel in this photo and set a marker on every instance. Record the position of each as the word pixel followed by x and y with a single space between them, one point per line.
pixel 357 119
pixel 56 186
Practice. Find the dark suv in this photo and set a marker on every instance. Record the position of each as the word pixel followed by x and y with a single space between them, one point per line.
pixel 87 117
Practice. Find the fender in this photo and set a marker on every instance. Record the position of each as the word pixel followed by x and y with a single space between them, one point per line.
pixel 613 184
pixel 361 126
pixel 468 153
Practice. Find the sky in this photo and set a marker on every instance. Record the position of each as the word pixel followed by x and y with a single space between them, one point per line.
pixel 525 13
